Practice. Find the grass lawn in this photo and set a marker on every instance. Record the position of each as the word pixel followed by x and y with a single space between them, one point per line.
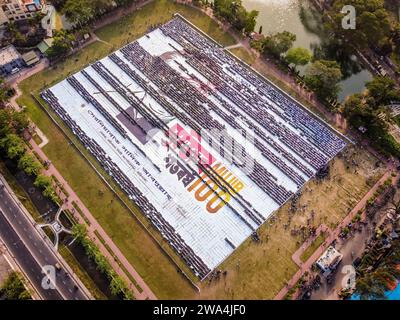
pixel 243 54
pixel 135 25
pixel 254 270
pixel 37 139
pixel 136 244
pixel 258 270
pixel 312 247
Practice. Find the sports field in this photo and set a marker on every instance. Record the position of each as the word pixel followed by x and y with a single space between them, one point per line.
pixel 254 270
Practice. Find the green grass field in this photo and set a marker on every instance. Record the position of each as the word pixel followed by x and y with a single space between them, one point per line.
pixel 243 54
pixel 254 270
pixel 136 244
pixel 312 247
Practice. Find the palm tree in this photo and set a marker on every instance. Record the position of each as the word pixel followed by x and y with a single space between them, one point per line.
pixel 374 284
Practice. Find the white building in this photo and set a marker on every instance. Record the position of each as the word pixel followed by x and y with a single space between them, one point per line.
pixel 329 261
pixel 14 10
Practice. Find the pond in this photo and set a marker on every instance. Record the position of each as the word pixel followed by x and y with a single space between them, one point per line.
pixel 300 18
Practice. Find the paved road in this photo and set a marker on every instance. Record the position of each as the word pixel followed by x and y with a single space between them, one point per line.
pixel 33 252
pixel 94 228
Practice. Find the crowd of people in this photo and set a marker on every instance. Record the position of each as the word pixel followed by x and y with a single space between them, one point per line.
pixel 322 140
pixel 195 114
pixel 236 97
pixel 166 230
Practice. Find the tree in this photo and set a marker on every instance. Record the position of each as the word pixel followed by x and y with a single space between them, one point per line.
pixel 373 284
pixel 62 44
pixel 79 12
pixel 20 121
pixel 234 12
pixel 4 92
pixel 42 181
pixel 276 44
pixel 298 56
pixel 373 23
pixel 29 164
pixel 5 122
pixel 79 232
pixel 362 110
pixel 13 146
pixel 12 121
pixel 323 77
pixel 383 90
pixel 117 285
pixel 13 288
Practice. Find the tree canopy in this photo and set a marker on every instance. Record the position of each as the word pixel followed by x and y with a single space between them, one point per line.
pixel 363 110
pixel 382 90
pixel 62 44
pixel 323 77
pixel 373 25
pixel 298 56
pixel 276 44
pixel 13 288
pixel 234 12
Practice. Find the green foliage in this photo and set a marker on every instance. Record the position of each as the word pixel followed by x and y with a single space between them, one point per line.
pixel 364 110
pixel 323 77
pixel 13 288
pixel 382 90
pixel 12 122
pixel 298 56
pixel 5 92
pixel 44 182
pixel 62 44
pixel 276 44
pixel 29 164
pixel 81 12
pixel 372 284
pixel 373 23
pixel 117 284
pixel 234 12
pixel 13 145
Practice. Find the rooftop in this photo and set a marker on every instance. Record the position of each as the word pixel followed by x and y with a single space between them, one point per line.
pixel 30 58
pixel 8 54
pixel 329 258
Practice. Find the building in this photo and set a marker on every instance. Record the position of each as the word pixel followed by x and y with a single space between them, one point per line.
pixel 10 60
pixel 3 17
pixel 329 261
pixel 14 10
pixel 30 58
pixel 45 45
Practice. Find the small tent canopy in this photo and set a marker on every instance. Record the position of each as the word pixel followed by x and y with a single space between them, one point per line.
pixel 30 58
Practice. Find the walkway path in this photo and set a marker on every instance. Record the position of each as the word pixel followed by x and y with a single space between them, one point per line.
pixel 296 257
pixel 146 292
pixel 42 137
pixel 268 67
pixel 234 46
pixel 333 235
pixel 94 228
